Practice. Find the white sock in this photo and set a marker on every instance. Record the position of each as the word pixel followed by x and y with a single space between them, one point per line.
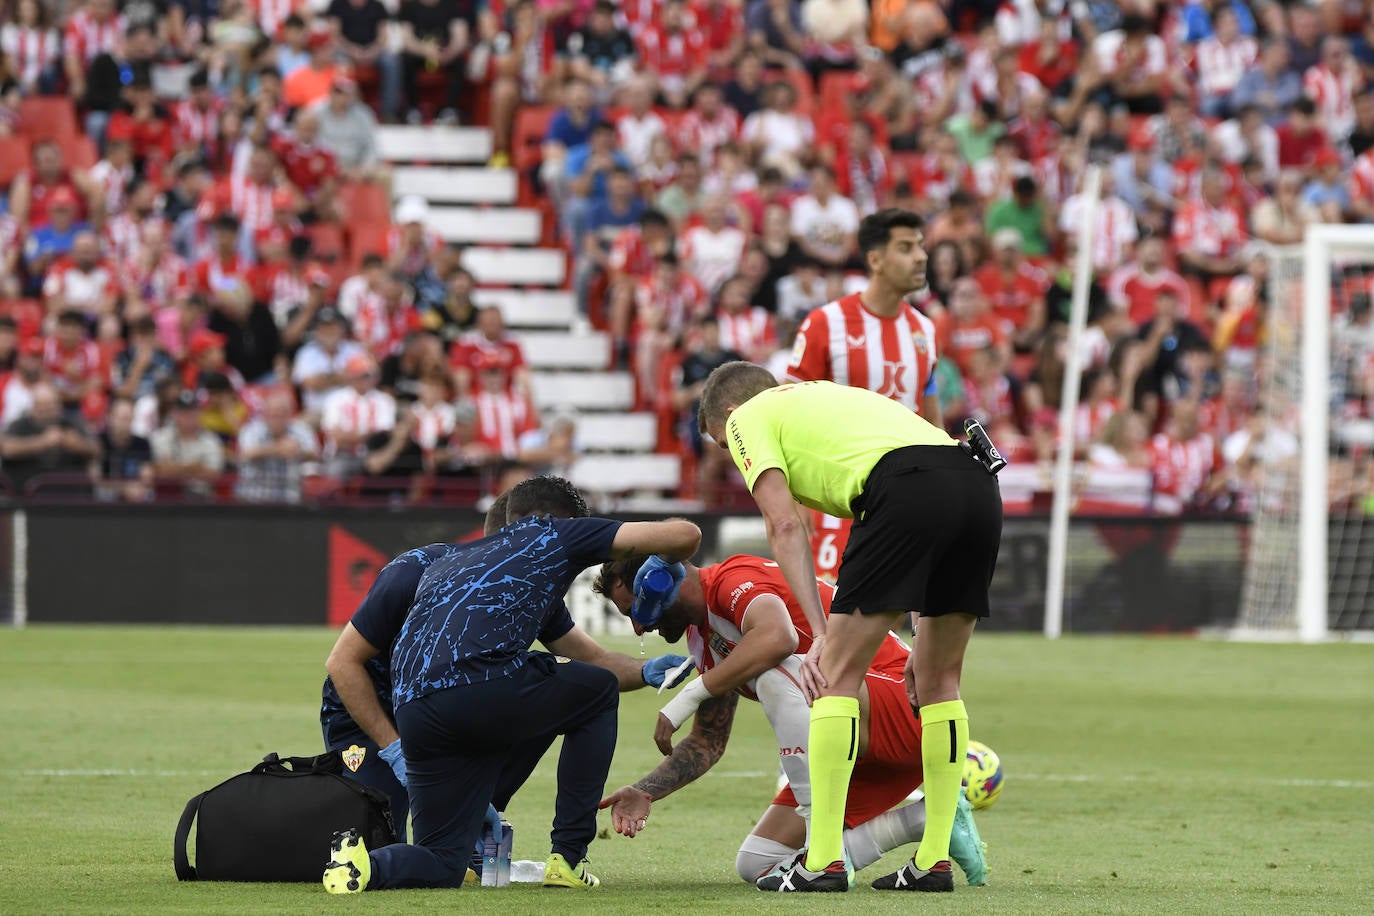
pixel 758 855
pixel 869 842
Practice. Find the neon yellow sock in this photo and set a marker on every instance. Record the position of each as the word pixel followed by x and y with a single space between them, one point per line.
pixel 833 745
pixel 944 741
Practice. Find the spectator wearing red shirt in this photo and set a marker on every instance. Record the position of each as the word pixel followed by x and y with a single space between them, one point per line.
pixel 1133 287
pixel 95 29
pixel 1051 59
pixel 744 328
pixel 224 268
pixel 1014 288
pixel 82 281
pixel 73 361
pixel 195 120
pixel 862 172
pixel 1183 461
pixel 383 321
pixel 707 126
pixel 675 52
pixel 31 190
pixel 1300 139
pixel 504 416
pixel 1209 232
pixel 145 125
pixel 1035 132
pixel 309 167
pixel 722 24
pixel 968 326
pixel 1332 85
pixel 488 342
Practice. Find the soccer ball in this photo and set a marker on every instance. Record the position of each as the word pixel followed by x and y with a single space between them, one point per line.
pixel 982 775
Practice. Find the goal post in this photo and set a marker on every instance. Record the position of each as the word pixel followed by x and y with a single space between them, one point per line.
pixel 1301 515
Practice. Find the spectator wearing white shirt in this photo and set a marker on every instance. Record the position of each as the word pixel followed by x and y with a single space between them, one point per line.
pixel 1221 61
pixel 824 223
pixel 319 365
pixel 272 453
pixel 640 124
pixel 185 452
pixel 712 250
pixel 355 417
pixel 1248 135
pixel 1116 230
pixel 802 291
pixel 778 135
pixel 1135 63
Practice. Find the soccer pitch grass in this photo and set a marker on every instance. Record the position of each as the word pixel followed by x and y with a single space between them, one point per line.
pixel 1144 775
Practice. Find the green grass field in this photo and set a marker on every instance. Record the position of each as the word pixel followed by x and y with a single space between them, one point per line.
pixel 1144 775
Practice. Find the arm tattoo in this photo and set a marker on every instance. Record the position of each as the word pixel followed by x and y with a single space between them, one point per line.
pixel 696 753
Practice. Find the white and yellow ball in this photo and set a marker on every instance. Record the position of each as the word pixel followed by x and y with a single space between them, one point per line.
pixel 982 774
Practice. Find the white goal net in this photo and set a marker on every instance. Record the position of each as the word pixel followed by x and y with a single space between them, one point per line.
pixel 1310 554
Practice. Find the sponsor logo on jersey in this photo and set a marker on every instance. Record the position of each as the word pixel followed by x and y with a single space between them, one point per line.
pixel 719 647
pixel 918 340
pixel 353 757
pixel 854 342
pixel 739 593
pixel 798 349
pixel 791 752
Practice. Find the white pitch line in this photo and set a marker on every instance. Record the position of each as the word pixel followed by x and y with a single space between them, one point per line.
pixel 135 773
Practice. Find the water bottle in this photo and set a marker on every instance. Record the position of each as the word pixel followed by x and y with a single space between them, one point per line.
pixel 653 594
pixel 491 855
pixel 527 872
pixel 503 849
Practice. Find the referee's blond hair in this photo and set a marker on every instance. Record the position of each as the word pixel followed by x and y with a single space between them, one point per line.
pixel 728 386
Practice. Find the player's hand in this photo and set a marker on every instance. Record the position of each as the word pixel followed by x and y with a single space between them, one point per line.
pixel 629 810
pixel 656 670
pixel 396 760
pixel 663 734
pixel 812 679
pixel 909 675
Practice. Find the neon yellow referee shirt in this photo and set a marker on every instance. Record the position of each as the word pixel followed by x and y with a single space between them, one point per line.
pixel 824 437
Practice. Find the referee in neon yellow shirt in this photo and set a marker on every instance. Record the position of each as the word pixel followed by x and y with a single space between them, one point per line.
pixel 927 525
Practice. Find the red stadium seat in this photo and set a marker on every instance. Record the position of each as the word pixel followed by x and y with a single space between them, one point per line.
pixel 48 117
pixel 531 124
pixel 365 239
pixel 78 152
pixel 14 158
pixel 834 87
pixel 327 242
pixel 365 202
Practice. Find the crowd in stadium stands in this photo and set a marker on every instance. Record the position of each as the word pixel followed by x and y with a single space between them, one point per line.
pixel 205 291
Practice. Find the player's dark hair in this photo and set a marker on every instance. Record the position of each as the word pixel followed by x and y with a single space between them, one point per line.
pixel 731 385
pixel 547 495
pixel 875 231
pixel 496 514
pixel 615 572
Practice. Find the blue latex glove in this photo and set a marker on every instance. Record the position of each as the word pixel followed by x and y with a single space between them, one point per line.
pixel 647 608
pixel 656 669
pixel 492 821
pixel 395 759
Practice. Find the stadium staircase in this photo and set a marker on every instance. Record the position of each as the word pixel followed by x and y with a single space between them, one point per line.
pixel 512 253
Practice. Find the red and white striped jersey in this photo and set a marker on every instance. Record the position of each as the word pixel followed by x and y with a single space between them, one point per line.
pixel 1180 470
pixel 680 303
pixel 112 182
pixel 346 410
pixel 79 289
pixel 251 202
pixel 695 134
pixel 638 15
pixel 29 51
pixel 214 274
pixel 502 419
pixel 433 424
pixel 672 54
pixel 85 39
pixel 1334 95
pixel 352 294
pixel 629 255
pixel 1134 290
pixel 192 126
pixel 284 290
pixel 991 403
pixel 1218 231
pixel 1362 177
pixel 1220 66
pixel 1116 229
pixel 844 342
pixel 750 333
pixel 155 284
pixel 70 370
pixel 124 235
pixel 380 327
pixel 1090 418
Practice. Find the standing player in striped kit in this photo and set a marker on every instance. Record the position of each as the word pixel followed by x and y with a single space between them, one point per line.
pixel 874 340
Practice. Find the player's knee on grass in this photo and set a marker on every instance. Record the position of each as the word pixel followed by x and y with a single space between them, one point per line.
pixel 759 855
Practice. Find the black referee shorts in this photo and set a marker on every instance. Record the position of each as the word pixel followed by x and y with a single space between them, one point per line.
pixel 926 532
